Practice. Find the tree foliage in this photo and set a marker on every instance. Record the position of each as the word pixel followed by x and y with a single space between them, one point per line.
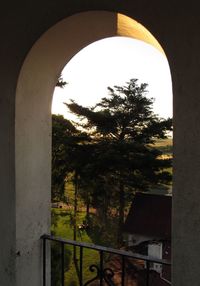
pixel 124 129
pixel 112 151
pixel 65 145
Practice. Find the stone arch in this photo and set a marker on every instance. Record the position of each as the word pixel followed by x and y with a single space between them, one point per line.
pixel 35 87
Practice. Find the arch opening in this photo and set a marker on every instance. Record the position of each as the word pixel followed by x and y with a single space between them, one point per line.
pixel 35 88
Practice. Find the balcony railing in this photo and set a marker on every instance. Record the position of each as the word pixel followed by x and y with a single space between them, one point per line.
pixel 103 273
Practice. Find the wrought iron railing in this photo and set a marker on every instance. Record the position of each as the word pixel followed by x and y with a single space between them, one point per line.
pixel 105 275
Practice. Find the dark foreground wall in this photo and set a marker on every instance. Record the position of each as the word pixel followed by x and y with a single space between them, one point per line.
pixel 176 27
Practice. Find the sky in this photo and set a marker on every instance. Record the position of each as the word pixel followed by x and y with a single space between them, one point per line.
pixel 114 61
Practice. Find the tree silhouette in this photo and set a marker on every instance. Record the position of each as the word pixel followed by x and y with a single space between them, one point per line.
pixel 124 129
pixel 66 147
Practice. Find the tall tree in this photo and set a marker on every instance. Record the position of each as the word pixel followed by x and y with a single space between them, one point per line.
pixel 124 129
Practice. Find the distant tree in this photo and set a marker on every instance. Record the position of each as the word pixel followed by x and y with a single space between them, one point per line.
pixel 124 129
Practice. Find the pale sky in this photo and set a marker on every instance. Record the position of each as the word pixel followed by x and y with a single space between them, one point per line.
pixel 114 61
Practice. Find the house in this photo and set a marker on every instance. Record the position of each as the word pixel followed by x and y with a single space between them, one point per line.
pixel 148 229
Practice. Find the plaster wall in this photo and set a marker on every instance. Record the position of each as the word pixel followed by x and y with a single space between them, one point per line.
pixel 175 25
pixel 36 83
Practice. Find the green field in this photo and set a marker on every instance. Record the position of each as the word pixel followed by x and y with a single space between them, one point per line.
pixel 165 145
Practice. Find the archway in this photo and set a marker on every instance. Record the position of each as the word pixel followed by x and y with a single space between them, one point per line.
pixel 36 83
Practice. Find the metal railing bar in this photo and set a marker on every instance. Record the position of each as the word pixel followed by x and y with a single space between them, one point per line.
pixel 101 268
pixel 81 266
pixel 62 264
pixel 123 271
pixel 147 276
pixel 106 249
pixel 44 262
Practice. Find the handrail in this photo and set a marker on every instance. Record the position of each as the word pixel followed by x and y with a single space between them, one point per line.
pixel 105 274
pixel 107 249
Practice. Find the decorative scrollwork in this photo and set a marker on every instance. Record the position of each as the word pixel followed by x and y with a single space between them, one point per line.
pixel 93 268
pixel 106 274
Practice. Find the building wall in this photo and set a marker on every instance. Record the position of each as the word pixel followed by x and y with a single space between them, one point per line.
pixel 176 27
